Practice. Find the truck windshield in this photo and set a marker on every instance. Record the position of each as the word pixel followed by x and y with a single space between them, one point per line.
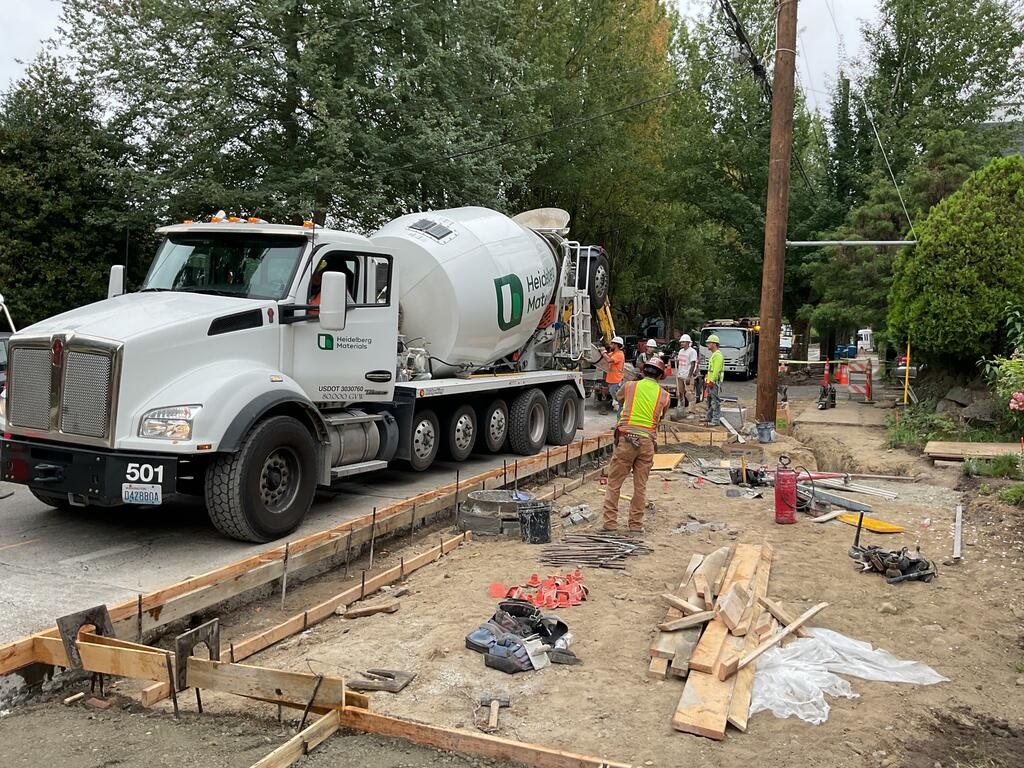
pixel 248 266
pixel 728 337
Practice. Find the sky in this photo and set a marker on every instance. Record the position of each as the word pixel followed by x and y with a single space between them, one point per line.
pixel 25 24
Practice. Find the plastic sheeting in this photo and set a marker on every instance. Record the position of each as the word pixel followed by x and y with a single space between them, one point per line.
pixel 793 681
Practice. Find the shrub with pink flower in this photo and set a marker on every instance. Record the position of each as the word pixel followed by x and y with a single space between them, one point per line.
pixel 1017 401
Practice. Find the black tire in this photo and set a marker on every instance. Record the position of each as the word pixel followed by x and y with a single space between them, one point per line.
pixel 600 281
pixel 460 433
pixel 264 491
pixel 528 422
pixel 492 427
pixel 424 441
pixel 564 407
pixel 55 500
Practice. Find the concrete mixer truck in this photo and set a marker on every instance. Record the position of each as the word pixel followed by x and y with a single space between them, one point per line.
pixel 259 362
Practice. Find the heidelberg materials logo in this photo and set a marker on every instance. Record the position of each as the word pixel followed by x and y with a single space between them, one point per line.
pixel 509 290
pixel 325 341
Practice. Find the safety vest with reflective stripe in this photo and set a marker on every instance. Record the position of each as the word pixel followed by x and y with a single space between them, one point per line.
pixel 645 402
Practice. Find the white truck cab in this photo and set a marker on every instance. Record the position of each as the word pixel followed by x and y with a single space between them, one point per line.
pixel 260 361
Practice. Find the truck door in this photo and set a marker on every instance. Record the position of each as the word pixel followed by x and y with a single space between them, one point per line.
pixel 358 363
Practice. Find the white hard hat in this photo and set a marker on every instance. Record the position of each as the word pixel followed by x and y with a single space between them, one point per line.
pixel 618 340
pixel 685 337
pixel 652 343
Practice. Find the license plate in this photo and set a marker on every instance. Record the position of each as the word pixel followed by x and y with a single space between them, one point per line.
pixel 141 493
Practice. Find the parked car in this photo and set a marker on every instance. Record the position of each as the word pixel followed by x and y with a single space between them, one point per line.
pixel 901 368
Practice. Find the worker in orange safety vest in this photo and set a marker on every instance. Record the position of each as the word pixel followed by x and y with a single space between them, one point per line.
pixel 644 404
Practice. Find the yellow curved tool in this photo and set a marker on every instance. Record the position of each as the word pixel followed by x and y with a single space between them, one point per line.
pixel 871 524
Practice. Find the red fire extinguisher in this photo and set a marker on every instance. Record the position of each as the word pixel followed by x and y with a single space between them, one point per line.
pixel 785 492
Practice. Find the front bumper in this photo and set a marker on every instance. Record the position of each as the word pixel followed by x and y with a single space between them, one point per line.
pixel 87 476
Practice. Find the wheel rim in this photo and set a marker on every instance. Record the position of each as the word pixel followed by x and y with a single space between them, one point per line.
pixel 569 416
pixel 600 280
pixel 424 439
pixel 464 433
pixel 538 425
pixel 497 426
pixel 279 480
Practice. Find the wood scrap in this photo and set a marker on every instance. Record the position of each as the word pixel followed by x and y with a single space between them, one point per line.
pixel 780 612
pixel 667 645
pixel 958 528
pixel 667 461
pixel 681 605
pixel 739 706
pixel 741 570
pixel 73 698
pixel 271 684
pixel 686 622
pixel 731 665
pixel 658 668
pixel 700 583
pixel 301 743
pixel 389 605
pixel 753 609
pixel 730 606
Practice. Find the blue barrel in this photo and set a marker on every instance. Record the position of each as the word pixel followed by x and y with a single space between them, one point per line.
pixel 840 352
pixel 851 351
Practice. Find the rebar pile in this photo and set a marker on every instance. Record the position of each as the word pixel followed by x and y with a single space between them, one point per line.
pixel 595 550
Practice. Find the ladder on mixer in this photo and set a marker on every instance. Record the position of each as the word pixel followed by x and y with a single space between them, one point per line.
pixel 580 338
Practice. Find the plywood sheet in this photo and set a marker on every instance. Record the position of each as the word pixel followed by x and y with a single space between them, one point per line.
pixel 665 461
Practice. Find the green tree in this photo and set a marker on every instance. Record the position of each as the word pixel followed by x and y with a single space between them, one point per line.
pixel 63 214
pixel 950 291
pixel 357 108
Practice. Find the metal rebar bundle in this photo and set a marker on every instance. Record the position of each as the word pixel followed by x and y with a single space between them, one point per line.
pixel 593 549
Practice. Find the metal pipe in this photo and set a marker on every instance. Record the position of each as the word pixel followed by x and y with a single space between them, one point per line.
pixel 852 243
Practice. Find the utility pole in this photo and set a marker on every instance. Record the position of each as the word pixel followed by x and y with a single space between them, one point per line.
pixel 777 211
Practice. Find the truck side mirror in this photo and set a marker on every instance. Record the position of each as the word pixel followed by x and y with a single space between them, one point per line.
pixel 333 301
pixel 115 285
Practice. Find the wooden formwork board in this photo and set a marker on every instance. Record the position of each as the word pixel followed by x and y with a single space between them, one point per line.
pixel 197 593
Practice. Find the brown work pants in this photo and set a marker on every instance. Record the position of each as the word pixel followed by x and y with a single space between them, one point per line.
pixel 686 390
pixel 628 457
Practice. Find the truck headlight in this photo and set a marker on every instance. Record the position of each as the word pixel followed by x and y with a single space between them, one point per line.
pixel 173 423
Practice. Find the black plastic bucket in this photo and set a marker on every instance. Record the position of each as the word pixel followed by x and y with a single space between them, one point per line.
pixel 535 522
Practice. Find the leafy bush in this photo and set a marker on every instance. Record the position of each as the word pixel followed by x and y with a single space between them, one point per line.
pixel 984 489
pixel 949 291
pixel 914 426
pixel 1013 494
pixel 1008 465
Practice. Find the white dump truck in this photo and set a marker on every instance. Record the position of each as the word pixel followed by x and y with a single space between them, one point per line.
pixel 259 362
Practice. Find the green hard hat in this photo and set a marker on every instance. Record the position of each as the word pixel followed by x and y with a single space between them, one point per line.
pixel 713 338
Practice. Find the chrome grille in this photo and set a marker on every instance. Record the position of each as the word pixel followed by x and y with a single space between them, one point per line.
pixel 85 404
pixel 29 395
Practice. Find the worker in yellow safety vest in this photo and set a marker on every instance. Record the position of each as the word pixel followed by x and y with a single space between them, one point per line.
pixel 644 404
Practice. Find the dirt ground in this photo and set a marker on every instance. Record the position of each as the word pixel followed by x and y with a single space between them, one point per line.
pixel 968 625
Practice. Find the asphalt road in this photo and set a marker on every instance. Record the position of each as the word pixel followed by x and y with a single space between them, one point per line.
pixel 53 563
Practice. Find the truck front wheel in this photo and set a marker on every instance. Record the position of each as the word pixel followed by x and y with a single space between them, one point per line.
pixel 528 422
pixel 55 500
pixel 262 492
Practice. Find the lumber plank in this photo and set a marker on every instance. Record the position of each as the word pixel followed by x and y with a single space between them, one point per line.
pixel 739 705
pixel 664 645
pixel 270 684
pixel 299 745
pixel 663 461
pixel 687 622
pixel 730 606
pixel 109 660
pixel 704 590
pixel 467 743
pixel 958 528
pixel 780 612
pixel 658 668
pixel 753 609
pixel 680 605
pixel 734 663
pixel 686 641
pixel 741 570
pixel 722 565
pixel 390 605
pixel 958 450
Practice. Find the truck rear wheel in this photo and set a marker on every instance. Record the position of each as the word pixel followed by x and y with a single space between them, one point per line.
pixel 460 431
pixel 262 492
pixel 425 438
pixel 563 415
pixel 528 422
pixel 492 427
